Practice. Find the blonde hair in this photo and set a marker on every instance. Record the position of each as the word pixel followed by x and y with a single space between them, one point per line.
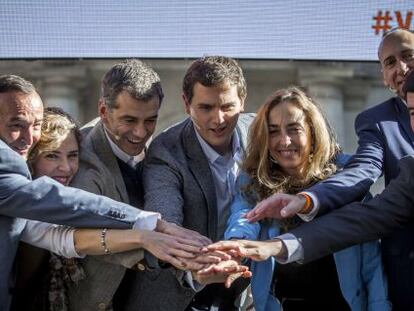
pixel 56 126
pixel 267 177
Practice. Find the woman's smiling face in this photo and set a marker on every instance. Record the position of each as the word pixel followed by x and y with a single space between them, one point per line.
pixel 290 139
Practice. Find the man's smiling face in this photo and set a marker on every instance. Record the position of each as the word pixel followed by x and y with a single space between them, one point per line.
pixel 131 122
pixel 21 118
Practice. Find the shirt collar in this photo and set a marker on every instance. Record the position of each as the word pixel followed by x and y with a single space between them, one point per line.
pixel 122 155
pixel 211 154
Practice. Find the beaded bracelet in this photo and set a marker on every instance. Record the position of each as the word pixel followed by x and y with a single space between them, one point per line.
pixel 308 204
pixel 103 241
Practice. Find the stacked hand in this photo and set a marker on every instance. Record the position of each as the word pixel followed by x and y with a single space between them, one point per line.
pixel 255 250
pixel 278 206
pixel 226 271
pixel 179 246
pixel 218 262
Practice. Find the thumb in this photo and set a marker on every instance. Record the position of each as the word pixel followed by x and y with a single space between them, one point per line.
pixel 294 207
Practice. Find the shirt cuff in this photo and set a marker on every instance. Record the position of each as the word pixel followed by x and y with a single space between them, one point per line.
pixel 195 286
pixel 293 247
pixel 311 215
pixel 146 221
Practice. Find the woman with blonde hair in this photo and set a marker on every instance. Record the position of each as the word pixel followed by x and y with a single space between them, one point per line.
pixel 291 147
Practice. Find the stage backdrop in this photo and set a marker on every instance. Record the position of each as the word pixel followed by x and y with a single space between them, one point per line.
pixel 251 29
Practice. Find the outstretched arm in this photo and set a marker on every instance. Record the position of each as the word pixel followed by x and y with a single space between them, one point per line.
pixel 360 222
pixel 46 200
pixel 165 247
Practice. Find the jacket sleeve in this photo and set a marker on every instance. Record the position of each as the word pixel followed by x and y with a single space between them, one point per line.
pixel 46 200
pixel 237 226
pixel 360 172
pixel 361 222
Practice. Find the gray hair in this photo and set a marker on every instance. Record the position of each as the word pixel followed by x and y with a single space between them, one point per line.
pixel 12 83
pixel 134 77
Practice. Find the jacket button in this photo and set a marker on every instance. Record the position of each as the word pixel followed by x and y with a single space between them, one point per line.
pixel 102 306
pixel 140 267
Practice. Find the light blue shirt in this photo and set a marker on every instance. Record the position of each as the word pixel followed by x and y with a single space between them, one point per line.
pixel 224 169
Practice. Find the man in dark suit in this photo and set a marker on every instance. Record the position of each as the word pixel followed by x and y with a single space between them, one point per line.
pixel 190 169
pixel 21 114
pixel 385 137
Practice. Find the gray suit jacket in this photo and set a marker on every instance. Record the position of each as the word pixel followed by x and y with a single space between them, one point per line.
pixel 360 222
pixel 178 183
pixel 46 200
pixel 99 173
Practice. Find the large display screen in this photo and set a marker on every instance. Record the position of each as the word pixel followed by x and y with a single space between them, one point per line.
pixel 259 29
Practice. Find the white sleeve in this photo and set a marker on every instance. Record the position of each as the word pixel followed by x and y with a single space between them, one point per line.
pixel 294 249
pixel 147 221
pixel 55 238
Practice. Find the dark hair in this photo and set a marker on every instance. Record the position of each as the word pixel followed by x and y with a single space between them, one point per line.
pixel 134 77
pixel 14 83
pixel 408 86
pixel 213 71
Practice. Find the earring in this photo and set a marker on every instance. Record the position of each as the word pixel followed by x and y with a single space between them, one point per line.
pixel 272 160
pixel 392 90
pixel 310 158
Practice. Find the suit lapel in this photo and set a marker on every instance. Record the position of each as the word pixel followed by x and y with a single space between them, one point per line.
pixel 104 152
pixel 404 119
pixel 243 125
pixel 200 168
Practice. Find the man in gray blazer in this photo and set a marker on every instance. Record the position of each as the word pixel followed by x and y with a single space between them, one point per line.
pixel 190 170
pixel 21 114
pixel 110 165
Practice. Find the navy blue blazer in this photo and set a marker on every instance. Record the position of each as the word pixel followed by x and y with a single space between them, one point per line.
pixel 385 136
pixel 46 200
